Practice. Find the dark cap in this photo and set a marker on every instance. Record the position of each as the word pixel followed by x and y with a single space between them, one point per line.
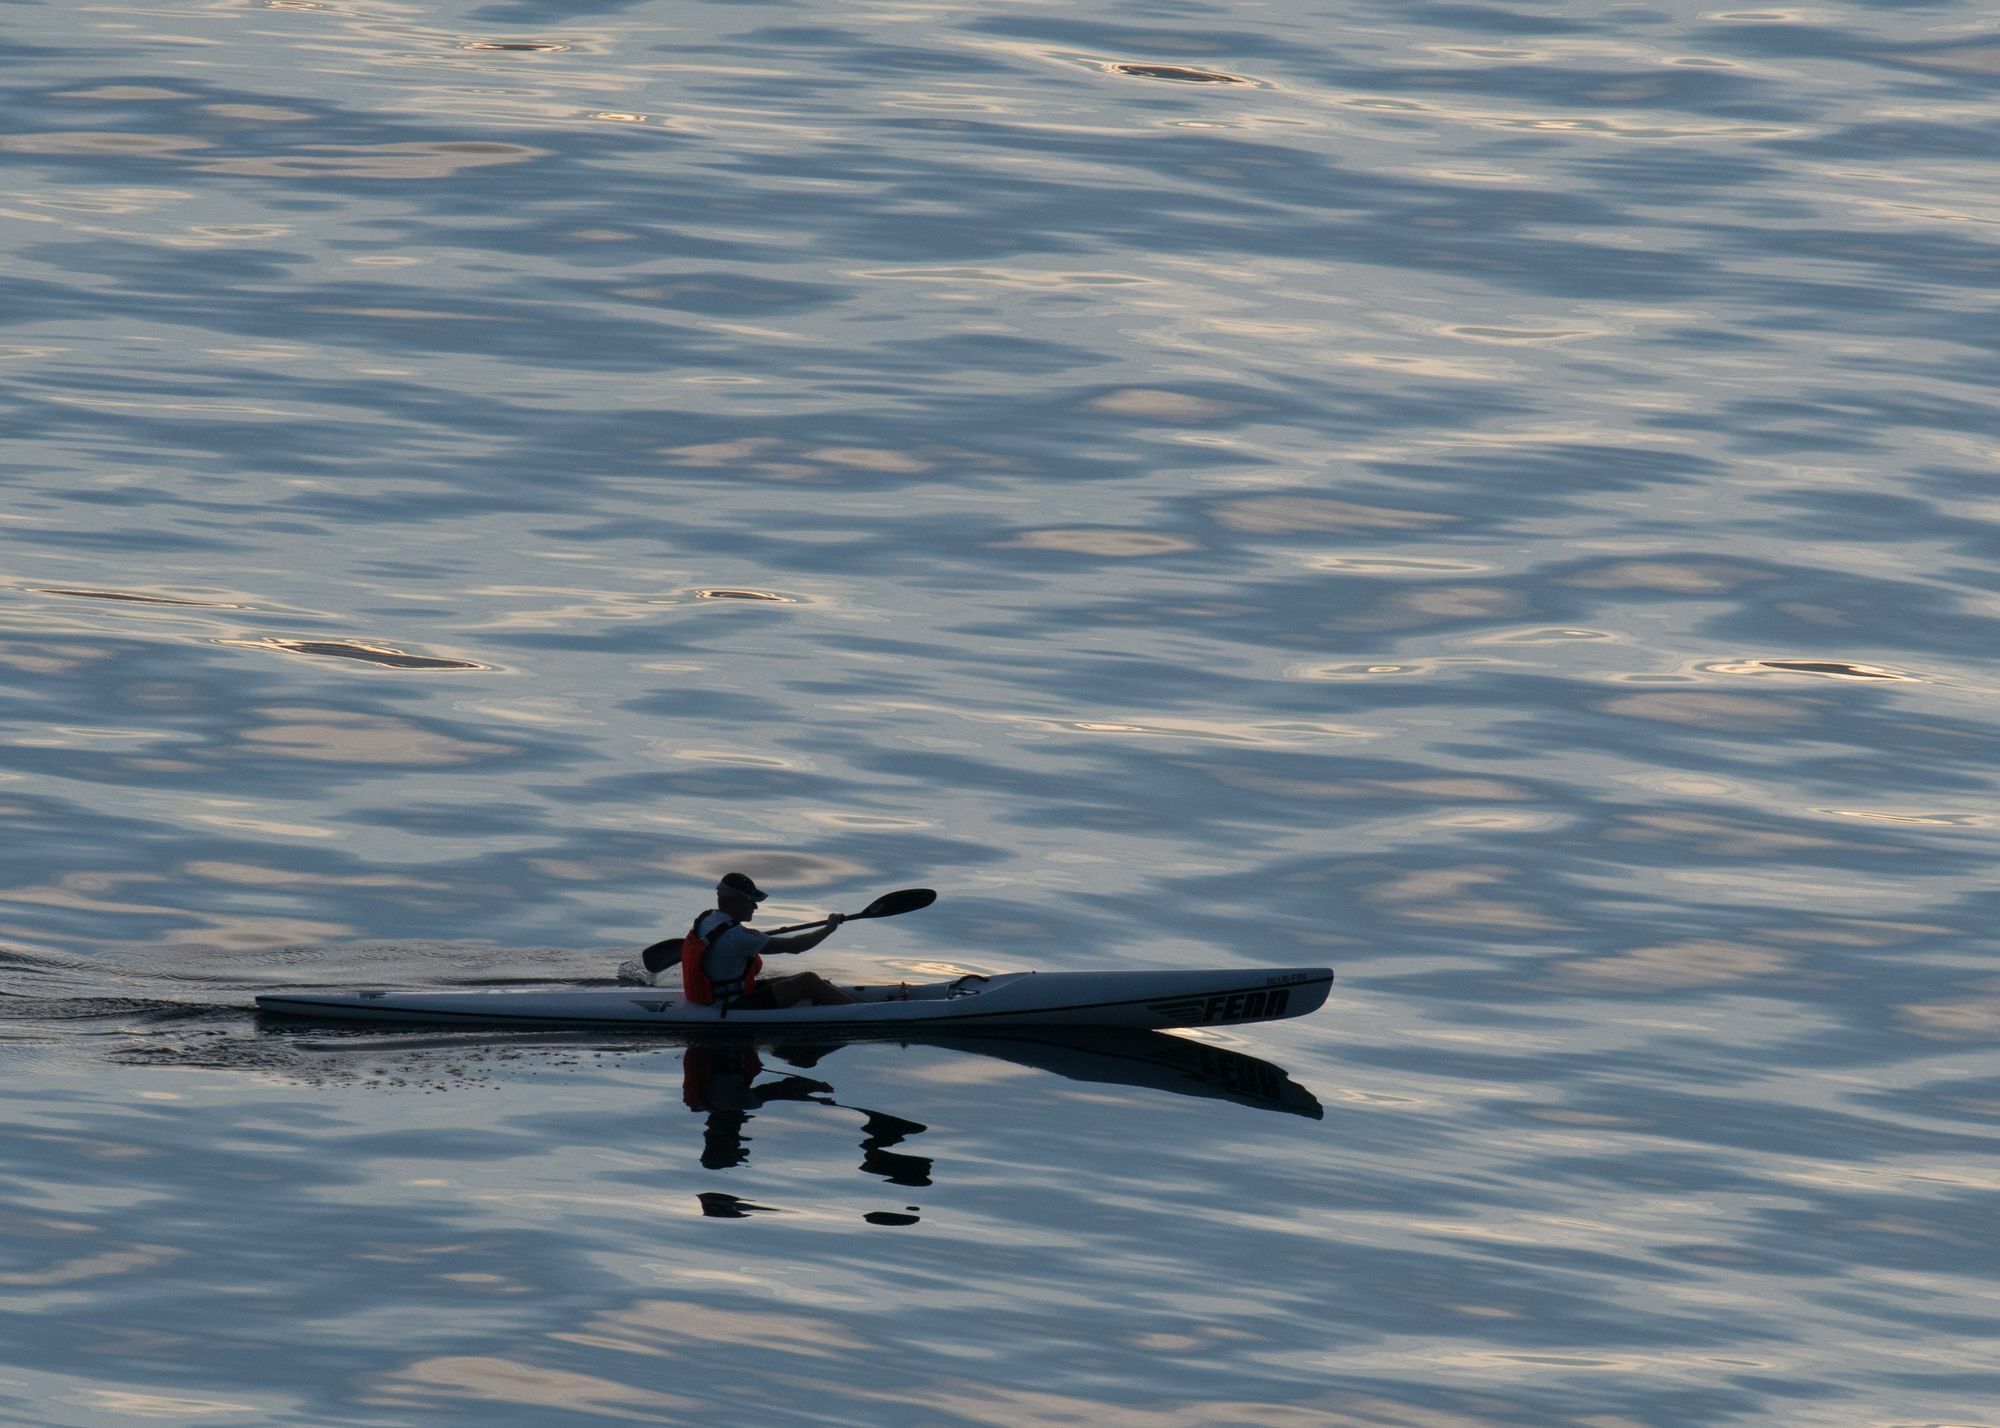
pixel 740 885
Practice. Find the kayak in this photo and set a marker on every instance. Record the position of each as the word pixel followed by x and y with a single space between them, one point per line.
pixel 1152 1001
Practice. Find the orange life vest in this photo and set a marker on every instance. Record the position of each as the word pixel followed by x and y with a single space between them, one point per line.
pixel 695 980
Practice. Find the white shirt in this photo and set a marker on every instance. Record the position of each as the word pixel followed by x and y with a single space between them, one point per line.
pixel 738 945
pixel 728 954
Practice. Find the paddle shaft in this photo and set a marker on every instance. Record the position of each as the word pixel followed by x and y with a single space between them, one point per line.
pixel 797 927
pixel 888 905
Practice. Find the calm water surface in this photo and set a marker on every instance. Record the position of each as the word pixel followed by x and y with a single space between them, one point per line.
pixel 1495 498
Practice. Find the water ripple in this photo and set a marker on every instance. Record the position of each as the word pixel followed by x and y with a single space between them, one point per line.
pixel 1492 499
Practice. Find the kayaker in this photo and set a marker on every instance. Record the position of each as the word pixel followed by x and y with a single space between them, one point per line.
pixel 722 957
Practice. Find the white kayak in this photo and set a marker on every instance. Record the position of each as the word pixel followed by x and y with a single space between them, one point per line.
pixel 1146 1000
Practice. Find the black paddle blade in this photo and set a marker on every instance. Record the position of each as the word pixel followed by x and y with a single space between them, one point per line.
pixel 896 903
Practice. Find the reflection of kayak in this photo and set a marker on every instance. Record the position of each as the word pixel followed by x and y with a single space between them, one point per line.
pixel 1141 1000
pixel 1105 1056
pixel 1179 1064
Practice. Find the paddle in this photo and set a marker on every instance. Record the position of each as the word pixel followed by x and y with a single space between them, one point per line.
pixel 893 904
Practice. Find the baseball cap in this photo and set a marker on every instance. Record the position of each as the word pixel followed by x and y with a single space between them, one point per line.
pixel 741 885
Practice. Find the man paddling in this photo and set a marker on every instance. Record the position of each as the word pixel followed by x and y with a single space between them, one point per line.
pixel 722 957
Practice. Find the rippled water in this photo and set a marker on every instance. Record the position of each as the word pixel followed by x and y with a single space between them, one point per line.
pixel 1491 497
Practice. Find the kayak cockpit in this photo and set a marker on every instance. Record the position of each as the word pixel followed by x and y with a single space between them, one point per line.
pixel 970 985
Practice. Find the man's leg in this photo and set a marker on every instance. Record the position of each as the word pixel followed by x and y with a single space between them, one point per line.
pixel 805 986
pixel 826 994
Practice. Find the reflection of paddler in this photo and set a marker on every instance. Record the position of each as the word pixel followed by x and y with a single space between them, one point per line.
pixel 717 1078
pixel 721 1081
pixel 880 1130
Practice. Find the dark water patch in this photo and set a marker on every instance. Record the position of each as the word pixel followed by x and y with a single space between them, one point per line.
pixel 1705 171
pixel 1308 514
pixel 532 12
pixel 1316 611
pixel 176 285
pixel 720 1205
pixel 713 704
pixel 1530 480
pixel 1115 35
pixel 1093 544
pixel 1632 100
pixel 726 594
pixel 439 819
pixel 1908 616
pixel 892 1217
pixel 1175 72
pixel 1729 734
pixel 1834 668
pixel 1484 19
pixel 1912 139
pixel 1763 602
pixel 138 599
pixel 716 292
pixel 848 55
pixel 996 354
pixel 99 145
pixel 1976 59
pixel 381 656
pixel 1971 61
pixel 122 543
pixel 1955 1099
pixel 1907 260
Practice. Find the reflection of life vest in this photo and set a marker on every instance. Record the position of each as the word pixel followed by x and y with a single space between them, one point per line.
pixel 695 980
pixel 714 1079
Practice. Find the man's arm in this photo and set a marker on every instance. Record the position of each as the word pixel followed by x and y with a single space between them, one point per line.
pixel 804 941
